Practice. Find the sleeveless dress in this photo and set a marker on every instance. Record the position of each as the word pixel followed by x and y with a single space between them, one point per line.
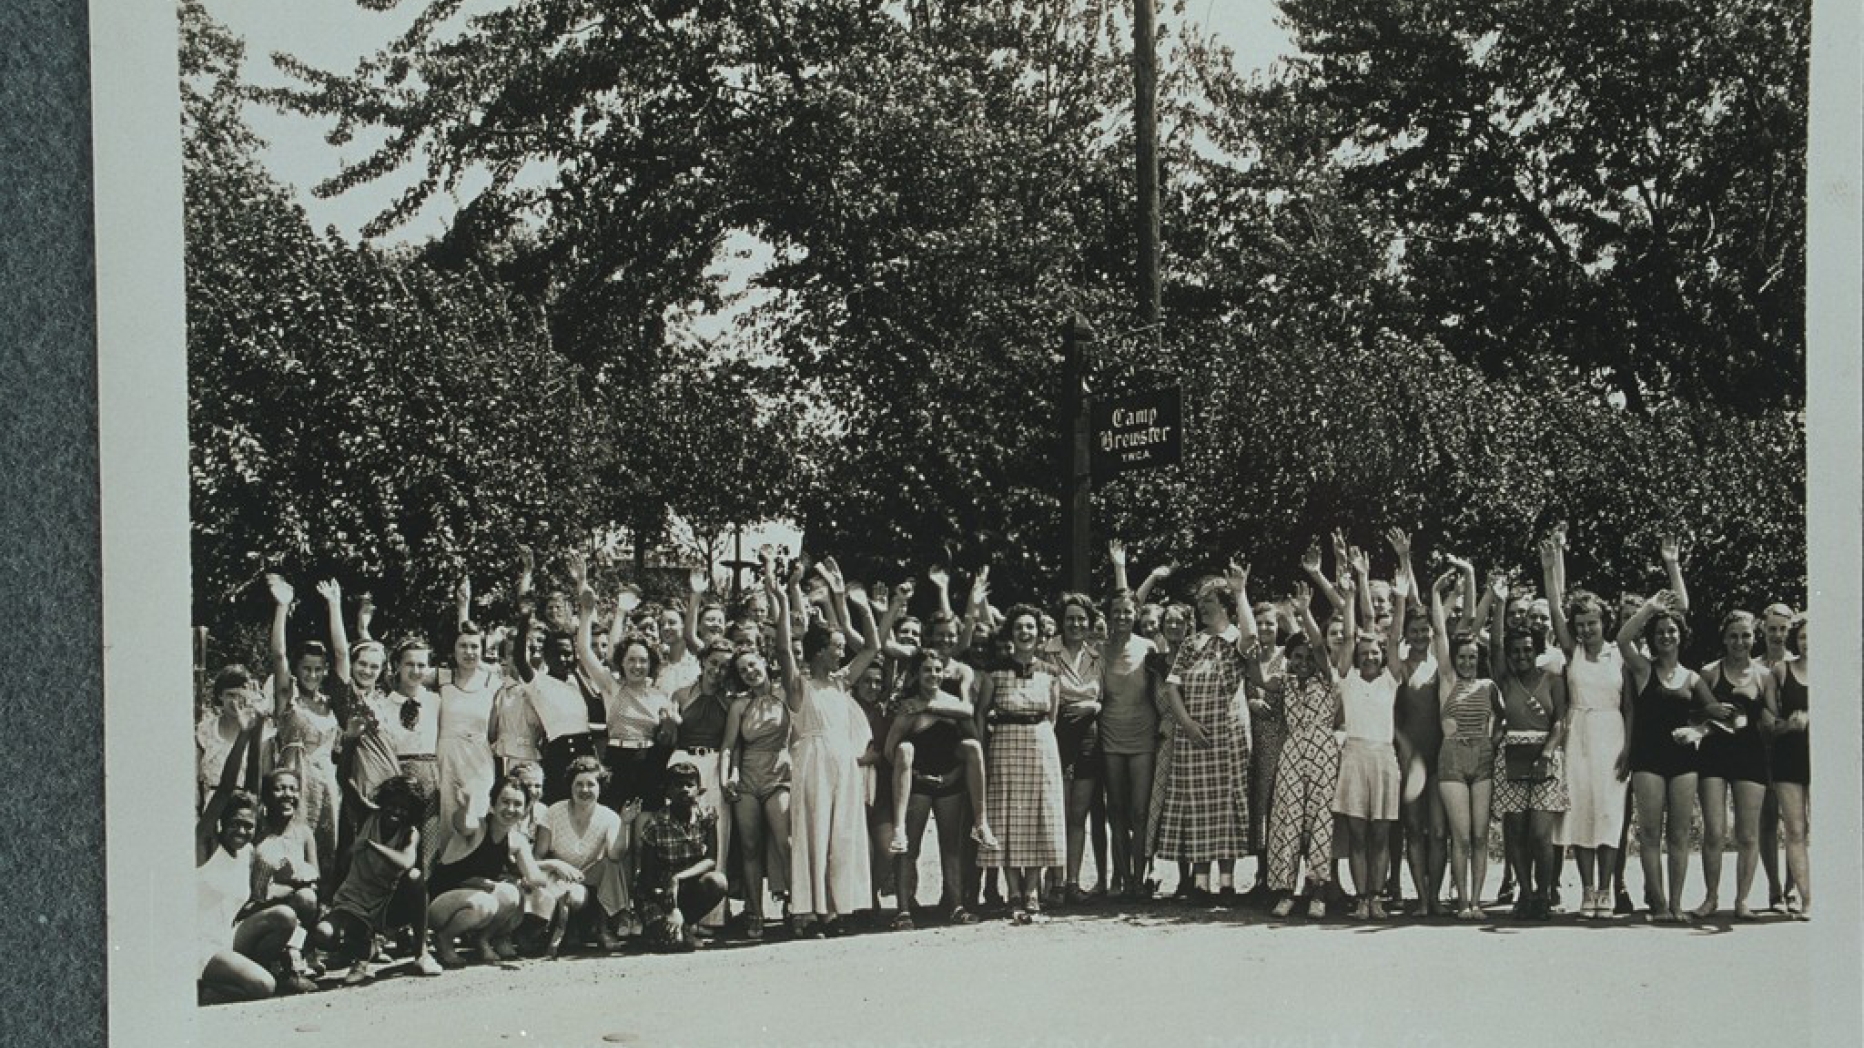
pixel 1023 793
pixel 1740 755
pixel 464 754
pixel 1792 758
pixel 1204 814
pixel 1595 736
pixel 829 857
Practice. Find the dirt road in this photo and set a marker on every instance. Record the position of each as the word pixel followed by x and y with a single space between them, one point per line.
pixel 1193 976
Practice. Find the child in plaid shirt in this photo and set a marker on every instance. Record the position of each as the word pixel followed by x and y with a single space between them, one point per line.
pixel 678 882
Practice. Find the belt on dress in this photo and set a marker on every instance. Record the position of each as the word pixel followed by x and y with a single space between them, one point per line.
pixel 1000 717
pixel 416 757
pixel 697 751
pixel 617 744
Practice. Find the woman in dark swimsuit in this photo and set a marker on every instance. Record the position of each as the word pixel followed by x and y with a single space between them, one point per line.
pixel 1663 769
pixel 1733 756
pixel 1792 767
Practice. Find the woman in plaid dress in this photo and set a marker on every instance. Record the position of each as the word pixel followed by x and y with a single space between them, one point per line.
pixel 1308 771
pixel 1017 704
pixel 1204 814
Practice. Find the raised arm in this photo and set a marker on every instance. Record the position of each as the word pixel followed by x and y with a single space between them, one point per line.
pixel 1671 551
pixel 1310 564
pixel 895 608
pixel 1497 598
pixel 1439 629
pixel 462 602
pixel 1362 571
pixel 1316 639
pixel 941 581
pixel 1394 630
pixel 585 651
pixel 282 683
pixel 1414 589
pixel 339 637
pixel 1553 580
pixel 244 750
pixel 1635 660
pixel 1116 556
pixel 1343 659
pixel 365 614
pixel 1474 611
pixel 786 655
pixel 1247 629
pixel 975 610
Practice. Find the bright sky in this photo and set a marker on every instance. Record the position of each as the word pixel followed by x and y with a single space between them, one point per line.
pixel 332 34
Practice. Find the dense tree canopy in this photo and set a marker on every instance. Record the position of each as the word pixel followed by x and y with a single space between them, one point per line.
pixel 1469 269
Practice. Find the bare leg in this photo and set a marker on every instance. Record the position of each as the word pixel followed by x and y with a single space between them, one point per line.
pixel 1545 857
pixel 1793 802
pixel 949 814
pixel 902 795
pixel 747 816
pixel 1651 792
pixel 1357 861
pixel 1456 812
pixel 1479 794
pixel 1750 800
pixel 1119 787
pixel 976 787
pixel 918 809
pixel 1769 845
pixel 1713 792
pixel 1681 791
pixel 1378 848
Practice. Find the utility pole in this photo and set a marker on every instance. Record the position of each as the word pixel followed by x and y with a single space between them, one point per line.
pixel 1077 473
pixel 1146 133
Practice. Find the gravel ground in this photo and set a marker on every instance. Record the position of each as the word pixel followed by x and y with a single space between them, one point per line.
pixel 1203 976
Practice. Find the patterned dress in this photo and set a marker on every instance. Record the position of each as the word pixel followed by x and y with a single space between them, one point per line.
pixel 1205 811
pixel 464 755
pixel 1301 822
pixel 1024 801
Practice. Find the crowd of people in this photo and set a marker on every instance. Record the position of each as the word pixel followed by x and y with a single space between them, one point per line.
pixel 599 772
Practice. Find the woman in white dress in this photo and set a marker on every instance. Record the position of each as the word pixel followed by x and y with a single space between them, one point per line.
pixel 464 750
pixel 829 854
pixel 1597 758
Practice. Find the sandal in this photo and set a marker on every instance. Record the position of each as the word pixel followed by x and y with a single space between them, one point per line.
pixel 902 921
pixel 1019 916
pixel 754 927
pixel 960 915
pixel 1284 907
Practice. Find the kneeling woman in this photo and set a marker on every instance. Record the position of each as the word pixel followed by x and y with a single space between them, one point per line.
pixel 478 897
pixel 938 766
pixel 384 888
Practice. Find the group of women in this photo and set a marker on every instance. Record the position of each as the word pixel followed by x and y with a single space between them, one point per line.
pixel 572 780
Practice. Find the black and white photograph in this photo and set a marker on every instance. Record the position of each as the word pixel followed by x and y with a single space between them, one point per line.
pixel 834 522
